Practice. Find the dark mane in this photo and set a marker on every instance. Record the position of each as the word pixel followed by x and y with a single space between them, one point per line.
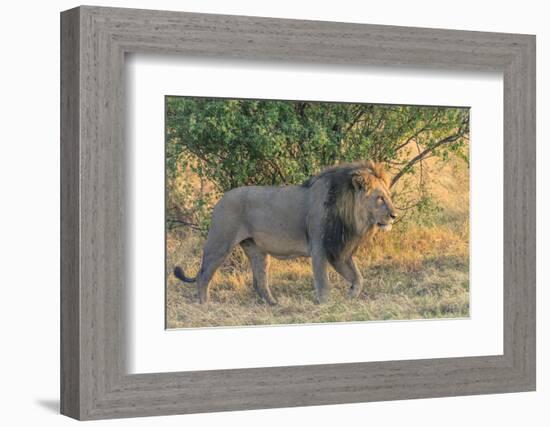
pixel 339 233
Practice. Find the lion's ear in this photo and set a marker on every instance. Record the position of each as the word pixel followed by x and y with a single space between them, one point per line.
pixel 358 181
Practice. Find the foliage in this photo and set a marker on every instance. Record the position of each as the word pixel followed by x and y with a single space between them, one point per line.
pixel 252 142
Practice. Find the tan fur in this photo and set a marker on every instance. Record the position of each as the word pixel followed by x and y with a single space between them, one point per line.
pixel 377 171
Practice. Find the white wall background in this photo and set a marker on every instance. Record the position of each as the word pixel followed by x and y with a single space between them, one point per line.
pixel 29 212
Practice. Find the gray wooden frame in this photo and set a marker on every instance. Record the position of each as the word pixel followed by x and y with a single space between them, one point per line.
pixel 94 382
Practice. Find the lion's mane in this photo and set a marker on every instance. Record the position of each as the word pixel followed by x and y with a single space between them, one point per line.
pixel 341 236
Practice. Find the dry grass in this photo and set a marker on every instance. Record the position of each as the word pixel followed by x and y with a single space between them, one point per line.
pixel 413 272
pixel 408 275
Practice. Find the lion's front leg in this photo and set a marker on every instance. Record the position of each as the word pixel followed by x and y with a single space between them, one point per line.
pixel 349 271
pixel 320 277
pixel 356 279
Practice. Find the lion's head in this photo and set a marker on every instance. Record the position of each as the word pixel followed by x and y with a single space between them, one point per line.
pixel 358 202
pixel 373 203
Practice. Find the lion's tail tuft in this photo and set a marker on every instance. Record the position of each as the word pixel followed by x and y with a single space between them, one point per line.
pixel 178 272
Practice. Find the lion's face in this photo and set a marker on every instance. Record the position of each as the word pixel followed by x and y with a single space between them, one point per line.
pixel 374 204
pixel 381 208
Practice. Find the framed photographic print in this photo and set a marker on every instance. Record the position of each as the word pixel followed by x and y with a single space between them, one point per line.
pixel 262 213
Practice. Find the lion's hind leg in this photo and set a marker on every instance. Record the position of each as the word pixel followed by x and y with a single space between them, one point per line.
pixel 217 248
pixel 259 263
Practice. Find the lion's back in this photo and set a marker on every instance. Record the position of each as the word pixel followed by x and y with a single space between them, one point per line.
pixel 265 203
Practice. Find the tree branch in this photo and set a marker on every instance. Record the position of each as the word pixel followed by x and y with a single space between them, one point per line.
pixel 185 223
pixel 423 154
pixel 414 135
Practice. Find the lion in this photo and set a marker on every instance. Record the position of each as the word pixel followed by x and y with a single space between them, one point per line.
pixel 325 218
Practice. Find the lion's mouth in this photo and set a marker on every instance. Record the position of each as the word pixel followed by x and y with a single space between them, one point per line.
pixel 384 227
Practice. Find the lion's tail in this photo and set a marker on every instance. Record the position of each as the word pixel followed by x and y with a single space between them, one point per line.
pixel 178 272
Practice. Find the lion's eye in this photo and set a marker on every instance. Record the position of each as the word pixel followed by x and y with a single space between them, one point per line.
pixel 379 200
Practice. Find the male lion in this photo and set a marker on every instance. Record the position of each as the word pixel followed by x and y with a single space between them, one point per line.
pixel 325 218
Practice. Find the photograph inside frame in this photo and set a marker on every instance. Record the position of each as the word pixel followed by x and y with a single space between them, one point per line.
pixel 299 212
